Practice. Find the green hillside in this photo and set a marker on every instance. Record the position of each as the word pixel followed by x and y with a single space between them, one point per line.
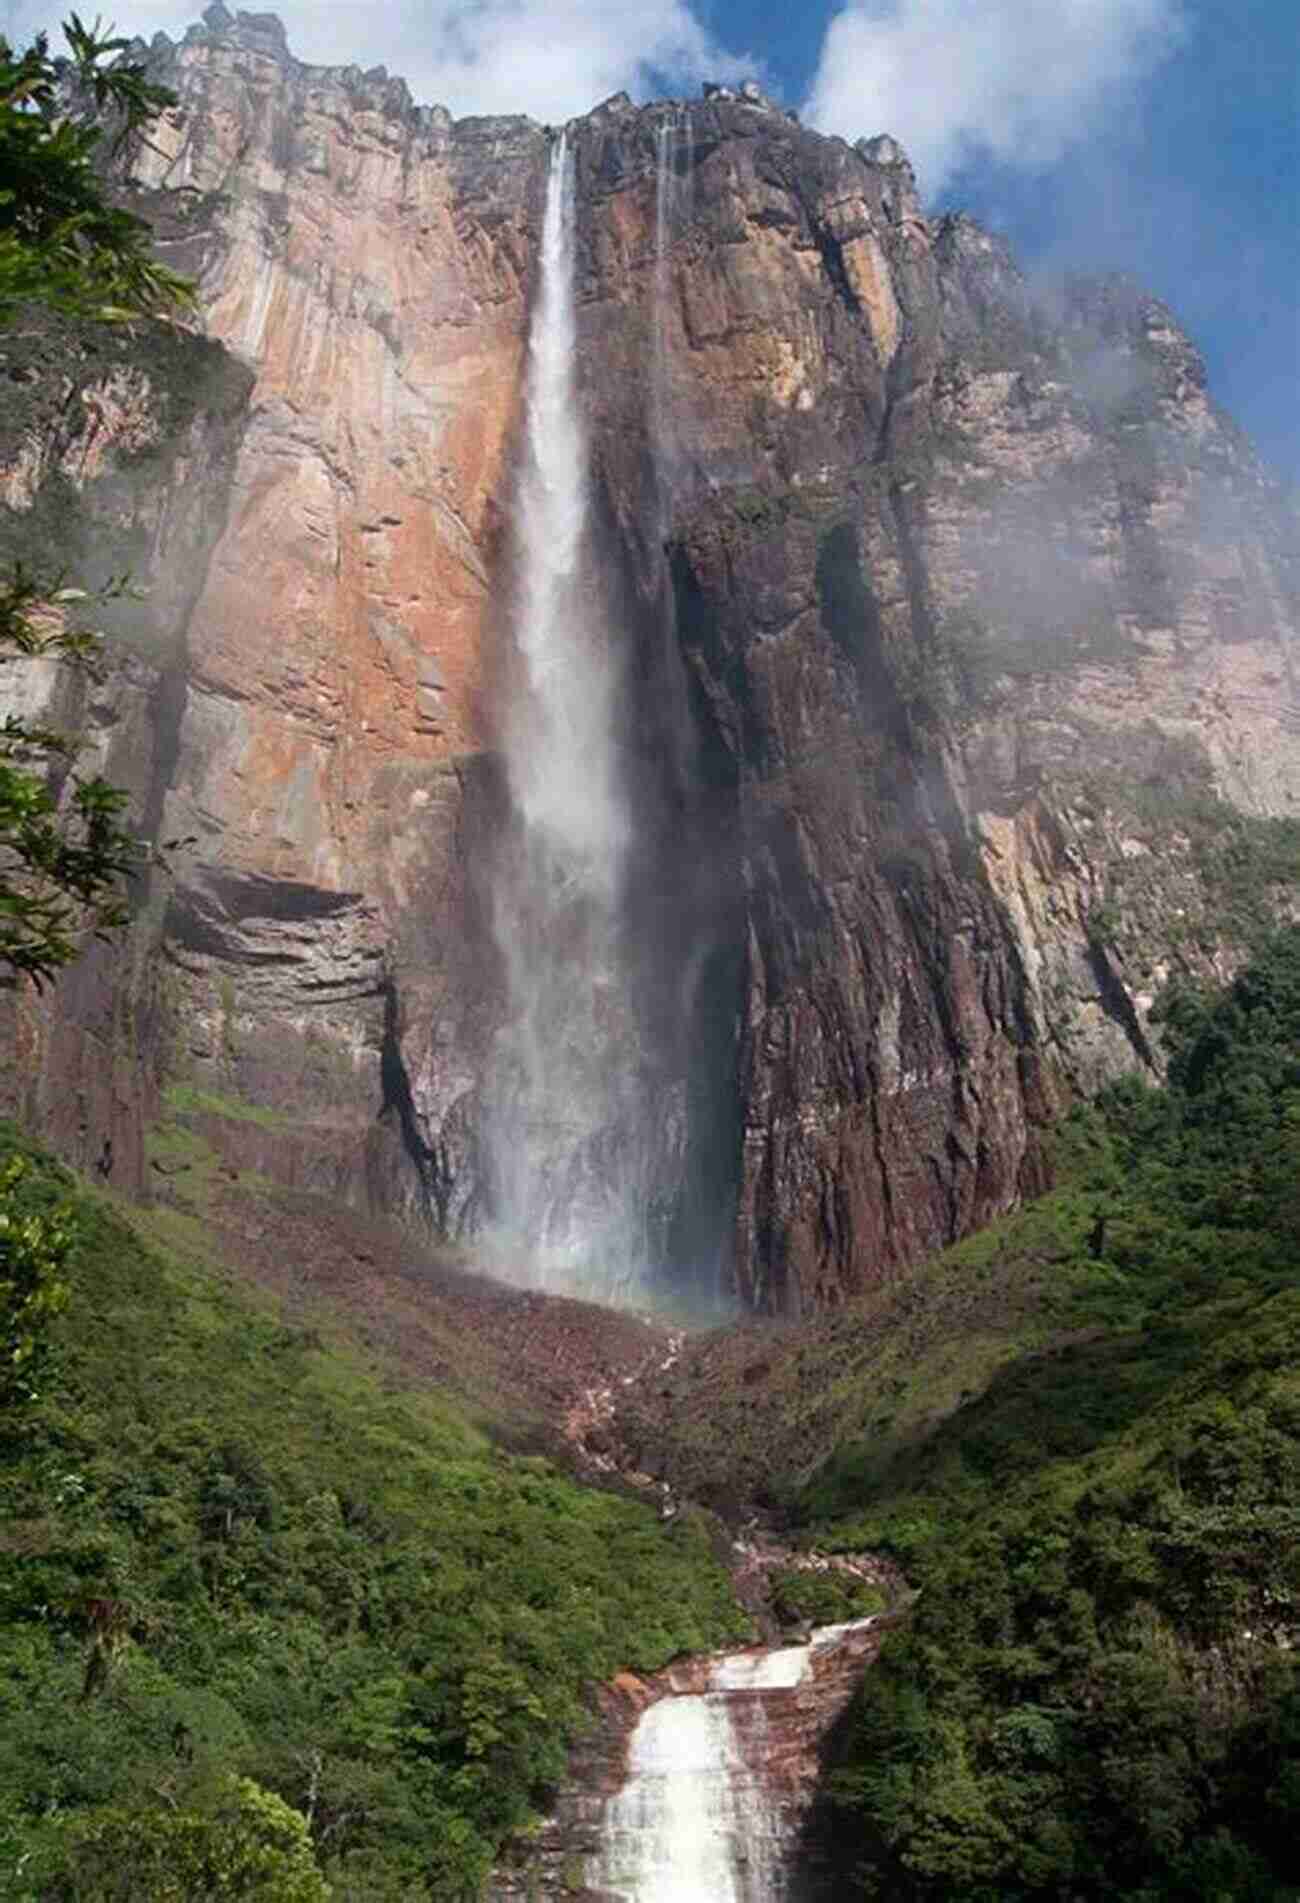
pixel 270 1617
pixel 266 1617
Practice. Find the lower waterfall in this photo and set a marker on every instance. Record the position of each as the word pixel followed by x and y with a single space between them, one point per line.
pixel 713 1776
pixel 688 1811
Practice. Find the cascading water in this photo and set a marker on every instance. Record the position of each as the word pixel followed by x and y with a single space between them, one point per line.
pixel 701 975
pixel 697 1819
pixel 671 1832
pixel 664 141
pixel 564 1105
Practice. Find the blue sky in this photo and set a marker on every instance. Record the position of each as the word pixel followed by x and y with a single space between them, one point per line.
pixel 1188 178
pixel 1161 137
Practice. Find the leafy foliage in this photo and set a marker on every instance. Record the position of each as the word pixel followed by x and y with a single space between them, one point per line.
pixel 64 244
pixel 1097 1695
pixel 246 1843
pixel 63 851
pixel 34 1247
pixel 801 1597
pixel 229 1552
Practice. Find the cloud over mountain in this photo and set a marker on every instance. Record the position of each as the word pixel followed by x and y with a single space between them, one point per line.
pixel 550 58
pixel 1019 81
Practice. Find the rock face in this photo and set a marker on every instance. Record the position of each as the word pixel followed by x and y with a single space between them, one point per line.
pixel 117 452
pixel 945 620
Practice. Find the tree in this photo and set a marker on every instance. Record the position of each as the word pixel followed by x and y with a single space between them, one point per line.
pixel 35 1243
pixel 64 244
pixel 248 1844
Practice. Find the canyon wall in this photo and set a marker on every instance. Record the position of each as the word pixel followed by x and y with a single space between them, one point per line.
pixel 955 630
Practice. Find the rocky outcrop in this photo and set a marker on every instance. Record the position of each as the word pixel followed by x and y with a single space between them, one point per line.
pixel 368 265
pixel 947 623
pixel 977 606
pixel 372 262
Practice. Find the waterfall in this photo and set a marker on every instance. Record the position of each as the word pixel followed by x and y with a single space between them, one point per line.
pixel 670 1834
pixel 659 422
pixel 698 988
pixel 692 1823
pixel 563 1118
pixel 700 1816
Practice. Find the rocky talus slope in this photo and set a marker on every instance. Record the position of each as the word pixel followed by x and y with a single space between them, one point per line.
pixel 948 622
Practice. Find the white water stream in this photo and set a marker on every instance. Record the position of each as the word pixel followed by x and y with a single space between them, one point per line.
pixel 562 1115
pixel 671 1833
pixel 694 1821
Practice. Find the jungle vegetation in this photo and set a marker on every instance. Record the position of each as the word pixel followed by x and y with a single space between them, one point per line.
pixel 1096 1695
pixel 270 1622
pixel 65 246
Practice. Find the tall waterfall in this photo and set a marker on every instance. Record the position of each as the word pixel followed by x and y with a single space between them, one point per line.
pixel 565 1151
pixel 659 424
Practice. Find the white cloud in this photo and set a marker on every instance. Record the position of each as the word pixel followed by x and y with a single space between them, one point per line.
pixel 954 80
pixel 550 58
pixel 1018 80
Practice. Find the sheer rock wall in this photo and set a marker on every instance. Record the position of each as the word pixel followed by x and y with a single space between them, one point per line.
pixel 944 616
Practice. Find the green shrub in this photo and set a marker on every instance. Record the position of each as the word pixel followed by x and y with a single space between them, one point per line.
pixel 246 1843
pixel 35 1241
pixel 804 1597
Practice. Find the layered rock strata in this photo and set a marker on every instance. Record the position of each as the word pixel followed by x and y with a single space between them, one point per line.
pixel 945 618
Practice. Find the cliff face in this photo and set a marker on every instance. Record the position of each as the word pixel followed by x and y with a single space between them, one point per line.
pixel 116 452
pixel 369 265
pixel 980 609
pixel 944 620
